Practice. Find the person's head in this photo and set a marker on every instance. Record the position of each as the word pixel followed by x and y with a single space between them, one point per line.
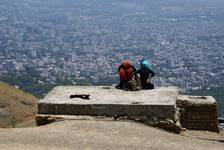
pixel 145 64
pixel 126 64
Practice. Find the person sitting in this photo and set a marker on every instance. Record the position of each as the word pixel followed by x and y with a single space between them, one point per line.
pixel 126 73
pixel 145 74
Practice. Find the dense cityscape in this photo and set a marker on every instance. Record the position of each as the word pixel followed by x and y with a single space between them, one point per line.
pixel 84 42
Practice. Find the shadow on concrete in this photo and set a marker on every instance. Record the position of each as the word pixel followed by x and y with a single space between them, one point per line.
pixel 215 140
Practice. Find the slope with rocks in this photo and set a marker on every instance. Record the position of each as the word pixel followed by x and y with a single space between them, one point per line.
pixel 16 106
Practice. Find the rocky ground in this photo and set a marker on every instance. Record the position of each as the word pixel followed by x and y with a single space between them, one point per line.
pixel 92 134
pixel 16 106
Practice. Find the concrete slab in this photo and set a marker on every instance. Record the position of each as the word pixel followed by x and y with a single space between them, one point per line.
pixel 198 112
pixel 155 107
pixel 108 101
pixel 199 100
pixel 110 95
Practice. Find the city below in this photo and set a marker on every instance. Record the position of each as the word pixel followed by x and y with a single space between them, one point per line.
pixel 50 42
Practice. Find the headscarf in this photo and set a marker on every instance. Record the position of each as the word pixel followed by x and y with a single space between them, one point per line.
pixel 145 64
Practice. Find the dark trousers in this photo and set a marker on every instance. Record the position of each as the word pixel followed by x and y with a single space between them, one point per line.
pixel 147 85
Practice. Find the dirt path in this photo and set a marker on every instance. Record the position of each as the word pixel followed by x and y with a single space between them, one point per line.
pixel 90 134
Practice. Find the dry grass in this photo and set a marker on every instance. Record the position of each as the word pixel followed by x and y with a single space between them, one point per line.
pixel 16 106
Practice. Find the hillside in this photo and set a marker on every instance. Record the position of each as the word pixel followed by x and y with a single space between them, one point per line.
pixel 16 106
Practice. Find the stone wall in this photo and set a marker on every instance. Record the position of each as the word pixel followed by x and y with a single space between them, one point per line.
pixel 198 113
pixel 165 117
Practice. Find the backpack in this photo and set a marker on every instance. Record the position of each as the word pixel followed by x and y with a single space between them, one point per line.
pixel 134 84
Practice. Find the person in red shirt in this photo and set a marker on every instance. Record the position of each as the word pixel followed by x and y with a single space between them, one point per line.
pixel 126 72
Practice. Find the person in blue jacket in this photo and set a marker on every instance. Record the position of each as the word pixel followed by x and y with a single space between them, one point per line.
pixel 145 74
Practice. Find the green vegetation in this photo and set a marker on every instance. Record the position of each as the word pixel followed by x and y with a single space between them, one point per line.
pixel 13 121
pixel 28 82
pixel 32 82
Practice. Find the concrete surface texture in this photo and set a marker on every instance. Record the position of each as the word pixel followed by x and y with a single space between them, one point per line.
pixel 196 99
pixel 198 112
pixel 155 107
pixel 110 95
pixel 90 134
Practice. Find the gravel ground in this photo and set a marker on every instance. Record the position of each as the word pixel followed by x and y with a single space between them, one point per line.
pixel 91 134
